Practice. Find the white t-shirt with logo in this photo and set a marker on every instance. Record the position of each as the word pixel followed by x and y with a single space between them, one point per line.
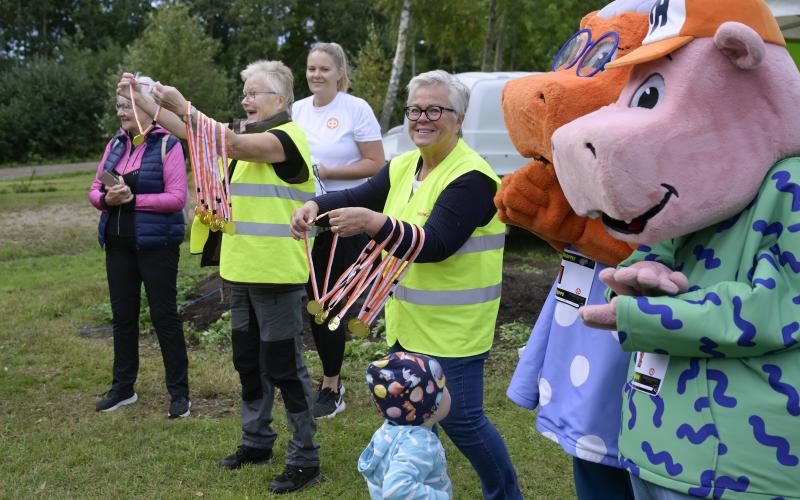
pixel 333 131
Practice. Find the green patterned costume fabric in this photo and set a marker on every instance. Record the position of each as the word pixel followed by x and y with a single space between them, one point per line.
pixel 727 420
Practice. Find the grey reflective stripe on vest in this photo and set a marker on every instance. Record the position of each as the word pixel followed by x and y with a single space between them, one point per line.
pixel 270 191
pixel 259 229
pixel 448 297
pixel 482 243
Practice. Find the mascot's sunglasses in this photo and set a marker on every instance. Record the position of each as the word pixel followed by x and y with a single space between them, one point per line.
pixel 589 56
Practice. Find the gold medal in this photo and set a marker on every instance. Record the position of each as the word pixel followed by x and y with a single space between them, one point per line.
pixel 313 307
pixel 334 323
pixel 138 139
pixel 319 318
pixel 358 328
pixel 229 228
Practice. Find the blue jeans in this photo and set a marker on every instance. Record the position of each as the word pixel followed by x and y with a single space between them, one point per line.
pixel 644 490
pixel 469 429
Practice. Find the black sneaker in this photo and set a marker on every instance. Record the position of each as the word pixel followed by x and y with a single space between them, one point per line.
pixel 245 455
pixel 179 408
pixel 329 403
pixel 295 478
pixel 111 401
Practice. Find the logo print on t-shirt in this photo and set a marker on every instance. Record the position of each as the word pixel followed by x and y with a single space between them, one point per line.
pixel 332 122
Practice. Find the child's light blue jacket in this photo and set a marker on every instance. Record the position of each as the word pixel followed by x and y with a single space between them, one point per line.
pixel 405 461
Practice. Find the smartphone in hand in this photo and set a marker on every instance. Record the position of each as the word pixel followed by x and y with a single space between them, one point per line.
pixel 109 180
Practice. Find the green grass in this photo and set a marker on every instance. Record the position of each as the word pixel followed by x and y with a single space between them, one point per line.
pixel 58 161
pixel 55 445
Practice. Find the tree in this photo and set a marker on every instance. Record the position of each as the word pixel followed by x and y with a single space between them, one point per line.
pixel 487 46
pixel 49 109
pixel 371 67
pixel 542 29
pixel 174 49
pixel 397 65
pixel 29 29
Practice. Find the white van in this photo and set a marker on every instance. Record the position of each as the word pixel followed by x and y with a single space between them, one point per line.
pixel 484 129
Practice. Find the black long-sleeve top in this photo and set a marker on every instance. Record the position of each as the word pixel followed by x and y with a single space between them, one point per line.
pixel 464 205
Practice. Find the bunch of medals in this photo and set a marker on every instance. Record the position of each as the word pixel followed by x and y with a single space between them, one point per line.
pixel 208 156
pixel 360 275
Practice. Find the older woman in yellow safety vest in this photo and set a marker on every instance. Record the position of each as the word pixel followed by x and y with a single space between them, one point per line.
pixel 264 267
pixel 446 306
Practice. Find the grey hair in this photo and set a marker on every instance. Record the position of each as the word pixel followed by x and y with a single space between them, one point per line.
pixel 339 59
pixel 278 76
pixel 146 82
pixel 457 91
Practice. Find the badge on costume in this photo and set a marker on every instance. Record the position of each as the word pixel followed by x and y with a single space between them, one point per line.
pixel 649 372
pixel 332 122
pixel 574 278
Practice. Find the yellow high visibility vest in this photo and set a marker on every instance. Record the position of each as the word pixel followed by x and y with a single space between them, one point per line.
pixel 262 250
pixel 446 308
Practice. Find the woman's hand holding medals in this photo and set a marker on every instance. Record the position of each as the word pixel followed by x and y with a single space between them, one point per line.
pixel 303 220
pixel 351 221
pixel 170 99
pixel 383 277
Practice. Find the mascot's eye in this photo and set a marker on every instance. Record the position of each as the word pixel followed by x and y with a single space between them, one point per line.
pixel 649 94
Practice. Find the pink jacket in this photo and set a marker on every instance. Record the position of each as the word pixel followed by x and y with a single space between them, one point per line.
pixel 174 196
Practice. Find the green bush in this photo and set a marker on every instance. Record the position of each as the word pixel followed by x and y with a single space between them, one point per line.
pixel 49 109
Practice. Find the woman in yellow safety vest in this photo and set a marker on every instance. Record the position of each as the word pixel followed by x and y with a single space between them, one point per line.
pixel 446 306
pixel 265 269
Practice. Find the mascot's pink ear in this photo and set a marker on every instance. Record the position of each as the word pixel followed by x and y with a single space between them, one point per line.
pixel 743 46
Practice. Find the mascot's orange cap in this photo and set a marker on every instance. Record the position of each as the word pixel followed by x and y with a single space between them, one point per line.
pixel 674 23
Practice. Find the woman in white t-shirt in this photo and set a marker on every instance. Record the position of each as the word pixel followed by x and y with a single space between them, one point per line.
pixel 345 141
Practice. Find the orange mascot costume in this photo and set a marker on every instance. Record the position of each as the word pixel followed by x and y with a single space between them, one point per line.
pixel 573 374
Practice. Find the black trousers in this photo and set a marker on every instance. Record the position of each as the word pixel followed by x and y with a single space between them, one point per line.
pixel 330 345
pixel 127 268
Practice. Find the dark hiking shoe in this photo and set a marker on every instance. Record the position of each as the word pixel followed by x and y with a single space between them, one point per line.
pixel 329 403
pixel 245 455
pixel 295 478
pixel 179 408
pixel 112 401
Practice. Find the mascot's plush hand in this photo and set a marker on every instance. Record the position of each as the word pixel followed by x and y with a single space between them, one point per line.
pixel 646 278
pixel 532 194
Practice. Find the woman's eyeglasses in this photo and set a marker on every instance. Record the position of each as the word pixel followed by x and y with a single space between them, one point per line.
pixel 589 56
pixel 249 96
pixel 433 113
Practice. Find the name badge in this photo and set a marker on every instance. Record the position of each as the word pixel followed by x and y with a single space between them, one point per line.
pixel 574 278
pixel 649 372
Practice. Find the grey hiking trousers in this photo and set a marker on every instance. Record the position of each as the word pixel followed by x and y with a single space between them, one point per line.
pixel 267 341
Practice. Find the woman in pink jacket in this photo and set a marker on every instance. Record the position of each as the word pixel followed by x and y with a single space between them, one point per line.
pixel 140 189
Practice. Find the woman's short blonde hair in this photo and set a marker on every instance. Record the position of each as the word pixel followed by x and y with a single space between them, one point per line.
pixel 339 59
pixel 278 76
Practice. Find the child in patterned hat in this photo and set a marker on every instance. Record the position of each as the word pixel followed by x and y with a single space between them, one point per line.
pixel 405 458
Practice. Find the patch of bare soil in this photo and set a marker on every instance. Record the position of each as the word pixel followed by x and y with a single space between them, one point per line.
pixel 525 288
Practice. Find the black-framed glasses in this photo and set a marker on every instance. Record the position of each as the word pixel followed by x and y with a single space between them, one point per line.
pixel 433 113
pixel 249 96
pixel 589 56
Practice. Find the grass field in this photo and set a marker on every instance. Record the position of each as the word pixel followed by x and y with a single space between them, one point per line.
pixel 53 286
